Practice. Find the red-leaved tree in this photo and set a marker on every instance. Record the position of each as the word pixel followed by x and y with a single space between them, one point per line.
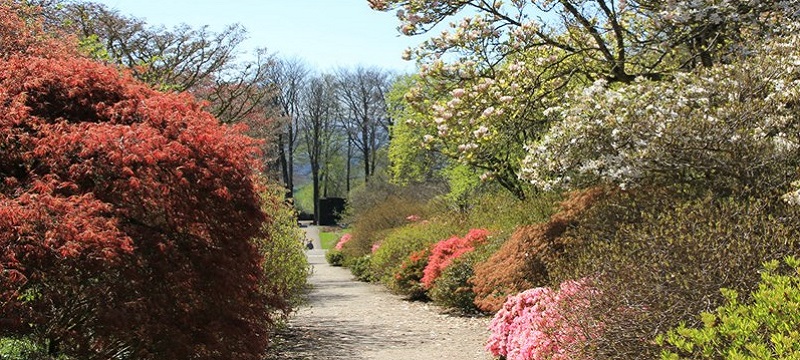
pixel 126 215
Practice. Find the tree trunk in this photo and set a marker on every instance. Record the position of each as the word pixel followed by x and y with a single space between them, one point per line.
pixel 283 165
pixel 325 180
pixel 366 153
pixel 374 146
pixel 315 175
pixel 290 160
pixel 349 161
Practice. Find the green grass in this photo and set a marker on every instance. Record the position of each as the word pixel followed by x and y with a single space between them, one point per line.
pixel 329 239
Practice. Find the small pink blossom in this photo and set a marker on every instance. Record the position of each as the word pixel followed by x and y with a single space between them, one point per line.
pixel 343 240
pixel 413 218
pixel 481 132
pixel 457 93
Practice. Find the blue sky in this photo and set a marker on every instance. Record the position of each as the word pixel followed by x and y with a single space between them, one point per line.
pixel 325 33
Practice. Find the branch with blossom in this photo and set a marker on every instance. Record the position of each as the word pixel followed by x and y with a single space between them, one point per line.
pixel 730 128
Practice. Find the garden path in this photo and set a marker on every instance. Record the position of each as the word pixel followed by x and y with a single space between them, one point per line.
pixel 347 319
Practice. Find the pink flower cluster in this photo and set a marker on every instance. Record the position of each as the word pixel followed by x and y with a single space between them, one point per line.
pixel 445 251
pixel 375 247
pixel 343 240
pixel 543 323
pixel 413 218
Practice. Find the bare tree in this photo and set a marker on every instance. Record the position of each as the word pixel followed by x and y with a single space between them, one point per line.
pixel 289 76
pixel 362 93
pixel 183 58
pixel 319 111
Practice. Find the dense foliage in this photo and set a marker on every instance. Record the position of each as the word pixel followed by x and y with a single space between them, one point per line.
pixel 407 278
pixel 523 261
pixel 398 246
pixel 127 216
pixel 544 323
pixel 663 259
pixel 764 326
pixel 378 207
pixel 285 265
pixel 684 113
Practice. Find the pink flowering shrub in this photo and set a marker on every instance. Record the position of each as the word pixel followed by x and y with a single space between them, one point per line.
pixel 343 240
pixel 375 247
pixel 543 323
pixel 445 251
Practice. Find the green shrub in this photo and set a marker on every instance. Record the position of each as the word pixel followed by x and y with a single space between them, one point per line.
pixel 766 327
pixel 499 211
pixel 378 207
pixel 402 242
pixel 661 259
pixel 453 288
pixel 373 226
pixel 360 268
pixel 23 349
pixel 334 257
pixel 285 263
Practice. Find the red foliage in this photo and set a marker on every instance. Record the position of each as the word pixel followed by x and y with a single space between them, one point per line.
pixel 522 262
pixel 22 32
pixel 125 216
pixel 445 251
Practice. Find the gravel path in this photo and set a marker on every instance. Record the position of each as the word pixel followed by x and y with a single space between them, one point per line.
pixel 347 319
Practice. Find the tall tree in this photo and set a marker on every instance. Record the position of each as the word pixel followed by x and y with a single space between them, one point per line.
pixel 289 76
pixel 319 113
pixel 362 93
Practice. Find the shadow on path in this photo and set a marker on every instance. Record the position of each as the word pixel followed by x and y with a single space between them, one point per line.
pixel 347 319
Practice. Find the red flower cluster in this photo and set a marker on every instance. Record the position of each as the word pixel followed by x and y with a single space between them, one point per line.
pixel 445 251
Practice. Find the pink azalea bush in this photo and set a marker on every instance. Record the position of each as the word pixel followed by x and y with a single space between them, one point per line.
pixel 445 251
pixel 343 240
pixel 543 323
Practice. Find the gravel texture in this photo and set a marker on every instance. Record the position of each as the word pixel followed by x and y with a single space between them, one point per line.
pixel 347 319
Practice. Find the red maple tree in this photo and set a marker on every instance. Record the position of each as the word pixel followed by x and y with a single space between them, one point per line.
pixel 126 214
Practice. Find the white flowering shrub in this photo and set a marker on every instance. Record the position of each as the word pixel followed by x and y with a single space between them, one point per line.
pixel 729 128
pixel 487 77
pixel 484 122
